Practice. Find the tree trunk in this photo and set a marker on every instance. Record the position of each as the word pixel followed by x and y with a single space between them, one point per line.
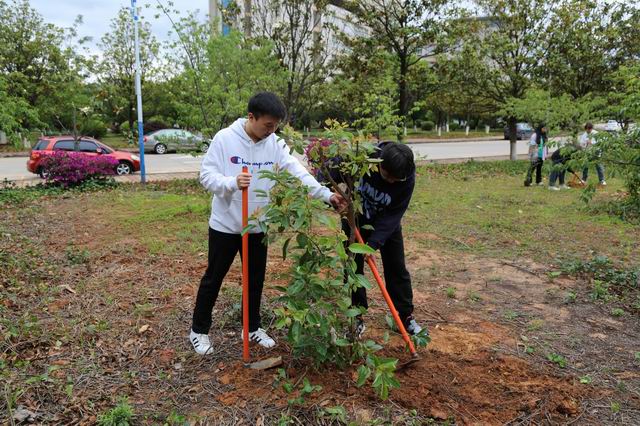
pixel 247 18
pixel 466 129
pixel 288 101
pixel 403 89
pixel 513 139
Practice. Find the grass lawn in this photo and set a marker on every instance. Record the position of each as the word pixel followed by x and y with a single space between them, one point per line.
pixel 485 209
pixel 97 290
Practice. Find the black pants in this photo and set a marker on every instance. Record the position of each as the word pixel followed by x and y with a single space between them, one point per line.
pixel 396 276
pixel 558 172
pixel 537 165
pixel 222 251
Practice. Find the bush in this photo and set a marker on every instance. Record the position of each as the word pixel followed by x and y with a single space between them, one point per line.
pixel 124 128
pixel 427 126
pixel 71 168
pixel 620 155
pixel 453 126
pixel 94 128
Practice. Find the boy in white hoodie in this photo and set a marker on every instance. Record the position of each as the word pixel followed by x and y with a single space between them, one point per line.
pixel 247 142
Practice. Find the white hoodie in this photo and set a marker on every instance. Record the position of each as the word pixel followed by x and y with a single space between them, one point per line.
pixel 588 139
pixel 231 149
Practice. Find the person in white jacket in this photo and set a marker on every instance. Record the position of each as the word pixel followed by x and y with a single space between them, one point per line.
pixel 247 142
pixel 586 141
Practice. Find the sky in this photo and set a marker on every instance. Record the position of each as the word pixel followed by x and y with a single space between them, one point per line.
pixel 97 15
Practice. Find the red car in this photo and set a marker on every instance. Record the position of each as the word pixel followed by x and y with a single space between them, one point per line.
pixel 127 162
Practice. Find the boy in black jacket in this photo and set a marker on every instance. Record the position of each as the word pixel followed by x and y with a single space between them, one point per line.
pixel 385 198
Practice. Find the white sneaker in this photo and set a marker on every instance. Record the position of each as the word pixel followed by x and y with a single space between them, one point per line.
pixel 565 187
pixel 261 337
pixel 603 182
pixel 411 325
pixel 554 188
pixel 540 183
pixel 201 343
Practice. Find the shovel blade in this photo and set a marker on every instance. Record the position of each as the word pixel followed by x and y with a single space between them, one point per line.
pixel 266 364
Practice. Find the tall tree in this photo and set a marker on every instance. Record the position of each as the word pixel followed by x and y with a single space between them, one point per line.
pixel 230 69
pixel 510 44
pixel 409 29
pixel 15 112
pixel 116 69
pixel 588 40
pixel 299 31
pixel 456 90
pixel 37 61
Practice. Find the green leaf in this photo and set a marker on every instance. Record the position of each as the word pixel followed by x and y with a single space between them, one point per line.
pixel 302 240
pixel 246 229
pixel 353 312
pixel 342 342
pixel 284 248
pixel 363 374
pixel 359 248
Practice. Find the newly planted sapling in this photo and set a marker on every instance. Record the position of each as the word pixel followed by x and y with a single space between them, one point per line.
pixel 316 304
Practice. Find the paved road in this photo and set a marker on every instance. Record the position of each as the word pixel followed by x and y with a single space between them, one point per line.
pixel 15 168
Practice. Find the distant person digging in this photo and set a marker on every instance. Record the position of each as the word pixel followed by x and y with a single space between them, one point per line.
pixel 559 169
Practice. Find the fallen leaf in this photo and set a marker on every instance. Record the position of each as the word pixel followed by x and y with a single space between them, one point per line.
pixel 143 328
pixel 260 421
pixel 438 414
pixel 225 379
pixel 66 287
pixel 22 414
pixel 228 399
pixel 166 355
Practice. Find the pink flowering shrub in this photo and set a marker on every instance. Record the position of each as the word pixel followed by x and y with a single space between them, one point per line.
pixel 72 168
pixel 311 152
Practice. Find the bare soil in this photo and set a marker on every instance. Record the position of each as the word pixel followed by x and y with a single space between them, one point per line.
pixel 116 324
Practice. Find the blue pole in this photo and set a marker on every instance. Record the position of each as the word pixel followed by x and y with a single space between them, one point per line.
pixel 134 12
pixel 225 28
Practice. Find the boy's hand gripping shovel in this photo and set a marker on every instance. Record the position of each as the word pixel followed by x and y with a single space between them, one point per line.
pixel 414 355
pixel 269 362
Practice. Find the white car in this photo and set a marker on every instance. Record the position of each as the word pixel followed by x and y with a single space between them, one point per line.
pixel 612 126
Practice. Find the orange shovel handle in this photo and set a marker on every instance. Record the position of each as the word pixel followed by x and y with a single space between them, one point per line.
pixel 387 298
pixel 245 273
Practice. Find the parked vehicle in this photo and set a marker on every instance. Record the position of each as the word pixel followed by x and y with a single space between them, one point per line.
pixel 612 126
pixel 165 140
pixel 523 131
pixel 127 162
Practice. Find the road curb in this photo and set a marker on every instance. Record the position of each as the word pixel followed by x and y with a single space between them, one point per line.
pixel 14 154
pixel 410 141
